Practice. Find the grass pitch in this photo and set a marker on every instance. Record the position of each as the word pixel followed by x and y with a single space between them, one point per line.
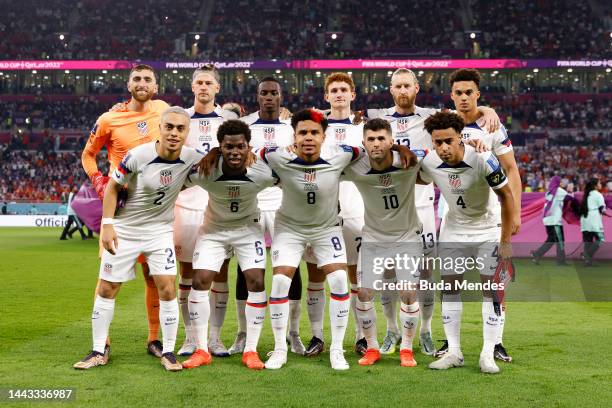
pixel 561 350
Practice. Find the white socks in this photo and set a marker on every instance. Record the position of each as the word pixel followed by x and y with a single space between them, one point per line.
pixel 183 301
pixel 279 310
pixel 240 312
pixel 426 303
pixel 218 306
pixel 388 301
pixel 366 314
pixel 339 305
pixel 316 307
pixel 255 312
pixel 101 318
pixel 168 319
pixel 502 321
pixel 409 316
pixel 295 311
pixel 490 326
pixel 358 332
pixel 452 307
pixel 199 313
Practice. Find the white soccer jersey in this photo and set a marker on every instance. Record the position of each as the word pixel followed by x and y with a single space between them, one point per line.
pixel 203 136
pixel 409 130
pixel 466 187
pixel 344 132
pixel 388 195
pixel 232 200
pixel 498 142
pixel 310 190
pixel 153 187
pixel 269 134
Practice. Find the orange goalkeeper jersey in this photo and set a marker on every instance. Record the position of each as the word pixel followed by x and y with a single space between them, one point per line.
pixel 121 131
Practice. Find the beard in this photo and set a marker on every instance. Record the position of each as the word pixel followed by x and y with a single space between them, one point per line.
pixel 405 102
pixel 141 98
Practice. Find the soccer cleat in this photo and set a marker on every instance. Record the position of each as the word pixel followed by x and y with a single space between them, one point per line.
pixel 337 360
pixel 168 360
pixel 370 357
pixel 251 360
pixel 487 364
pixel 407 358
pixel 295 343
pixel 315 347
pixel 448 360
pixel 155 348
pixel 389 342
pixel 217 348
pixel 361 347
pixel 93 359
pixel 427 344
pixel 501 354
pixel 198 358
pixel 187 348
pixel 442 350
pixel 239 343
pixel 276 360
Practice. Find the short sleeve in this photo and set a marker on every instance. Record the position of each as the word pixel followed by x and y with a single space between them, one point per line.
pixel 126 170
pixel 501 142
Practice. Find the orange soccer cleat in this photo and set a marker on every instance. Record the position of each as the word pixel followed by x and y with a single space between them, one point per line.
pixel 370 357
pixel 251 360
pixel 198 358
pixel 407 358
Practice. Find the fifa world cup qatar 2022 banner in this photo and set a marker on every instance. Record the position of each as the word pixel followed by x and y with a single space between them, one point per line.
pixel 308 64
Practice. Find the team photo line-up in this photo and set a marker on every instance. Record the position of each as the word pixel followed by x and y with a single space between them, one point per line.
pixel 190 188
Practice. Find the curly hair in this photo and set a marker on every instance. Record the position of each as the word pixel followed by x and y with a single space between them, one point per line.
pixel 233 127
pixel 444 120
pixel 465 75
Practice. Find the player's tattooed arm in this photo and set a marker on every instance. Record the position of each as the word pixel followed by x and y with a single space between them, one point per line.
pixel 507 204
pixel 407 156
pixel 490 118
pixel 108 236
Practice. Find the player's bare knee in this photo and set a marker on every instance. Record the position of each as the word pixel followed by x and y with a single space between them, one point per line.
pixel 408 296
pixel 314 273
pixel 202 279
pixel 108 290
pixel 255 280
pixel 365 294
pixel 165 287
pixel 330 268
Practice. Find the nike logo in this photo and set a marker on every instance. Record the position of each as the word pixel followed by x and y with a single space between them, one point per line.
pixel 257 322
pixel 366 328
pixel 337 255
pixel 170 267
pixel 260 260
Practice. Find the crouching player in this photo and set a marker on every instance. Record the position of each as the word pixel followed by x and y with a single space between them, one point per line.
pixel 474 225
pixel 154 173
pixel 390 216
pixel 231 222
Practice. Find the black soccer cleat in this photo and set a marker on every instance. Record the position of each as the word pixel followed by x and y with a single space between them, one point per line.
pixel 442 350
pixel 315 347
pixel 155 348
pixel 361 346
pixel 501 354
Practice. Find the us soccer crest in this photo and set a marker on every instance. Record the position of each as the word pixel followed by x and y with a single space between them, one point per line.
pixel 108 268
pixel 385 180
pixel 454 181
pixel 268 133
pixel 142 128
pixel 310 175
pixel 204 126
pixel 402 125
pixel 165 177
pixel 233 191
pixel 340 134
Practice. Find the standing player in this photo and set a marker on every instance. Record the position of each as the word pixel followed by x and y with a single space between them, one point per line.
pixel 465 92
pixel 339 92
pixel 390 216
pixel 154 173
pixel 269 131
pixel 474 223
pixel 206 117
pixel 407 125
pixel 231 223
pixel 121 130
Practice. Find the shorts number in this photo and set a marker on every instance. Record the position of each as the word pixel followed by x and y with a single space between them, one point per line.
pixel 160 196
pixel 310 197
pixel 258 248
pixel 405 142
pixel 234 206
pixel 391 201
pixel 336 243
pixel 358 240
pixel 429 236
pixel 206 147
pixel 169 260
pixel 460 202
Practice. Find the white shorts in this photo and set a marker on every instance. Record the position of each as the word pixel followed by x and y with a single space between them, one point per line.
pixel 412 246
pixel 266 219
pixel 289 246
pixel 351 231
pixel 481 246
pixel 428 219
pixel 213 247
pixel 158 252
pixel 186 225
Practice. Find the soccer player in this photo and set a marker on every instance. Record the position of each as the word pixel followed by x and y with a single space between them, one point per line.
pixel 339 93
pixel 474 220
pixel 407 125
pixel 135 123
pixel 231 223
pixel 308 216
pixel 465 92
pixel 269 131
pixel 206 117
pixel 390 217
pixel 154 173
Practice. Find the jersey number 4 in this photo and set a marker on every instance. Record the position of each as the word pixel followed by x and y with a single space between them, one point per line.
pixel 460 202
